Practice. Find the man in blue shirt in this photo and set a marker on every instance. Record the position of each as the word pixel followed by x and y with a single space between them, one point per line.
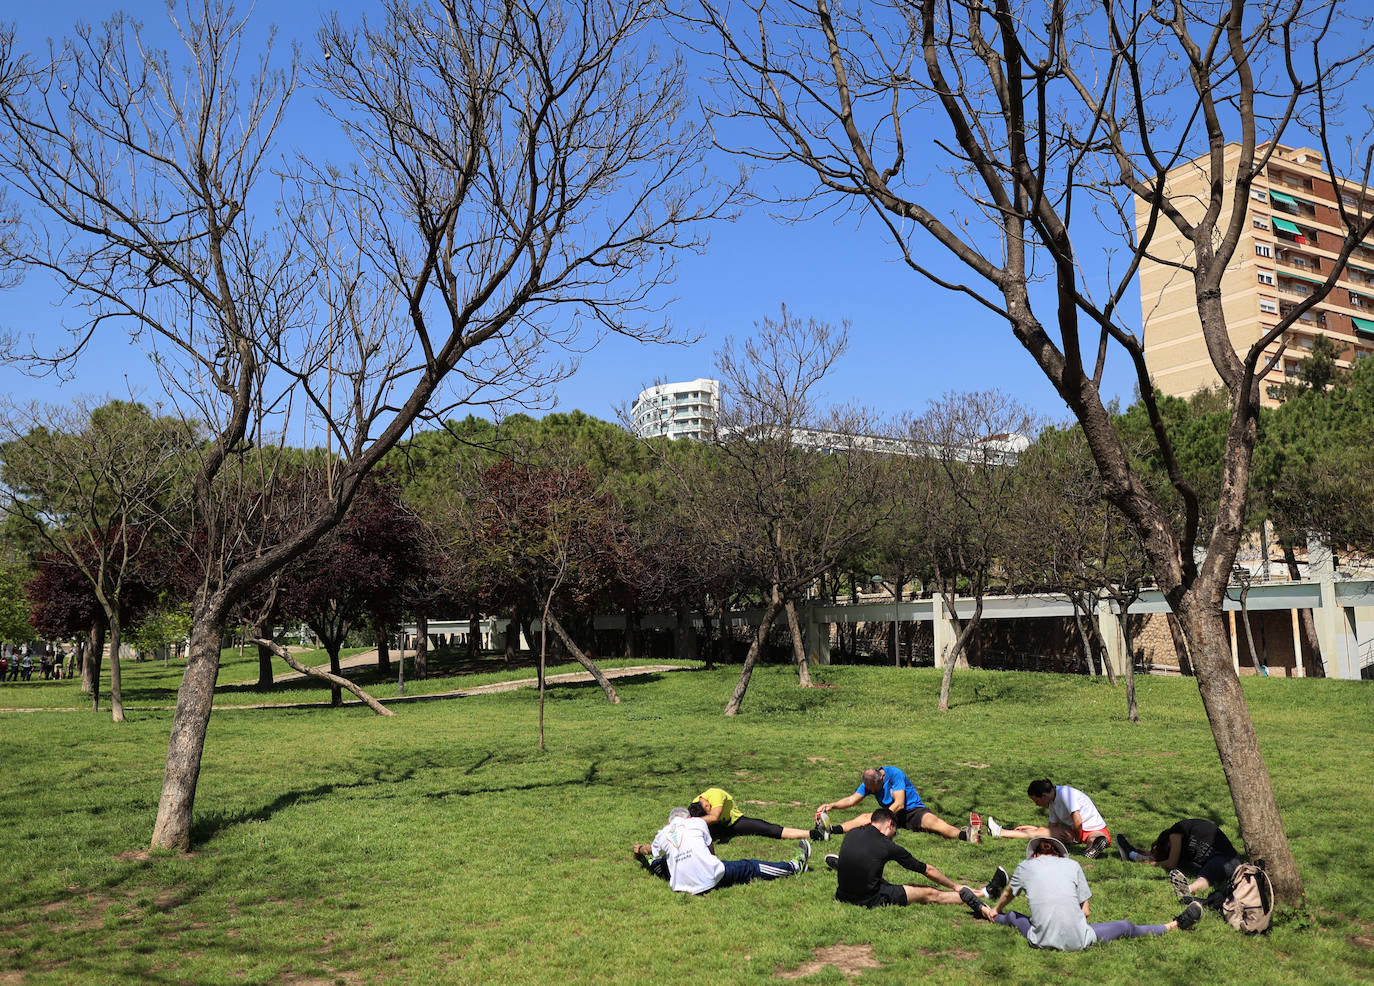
pixel 895 792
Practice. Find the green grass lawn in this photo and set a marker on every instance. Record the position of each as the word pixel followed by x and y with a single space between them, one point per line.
pixel 440 846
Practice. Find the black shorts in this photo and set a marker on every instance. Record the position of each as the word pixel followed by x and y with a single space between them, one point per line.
pixel 888 895
pixel 910 818
pixel 744 825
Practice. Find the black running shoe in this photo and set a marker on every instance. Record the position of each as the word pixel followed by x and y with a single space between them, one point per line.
pixel 997 884
pixel 1096 848
pixel 1191 915
pixel 1124 848
pixel 975 905
pixel 832 860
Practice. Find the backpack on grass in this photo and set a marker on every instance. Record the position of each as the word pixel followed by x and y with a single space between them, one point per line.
pixel 1248 903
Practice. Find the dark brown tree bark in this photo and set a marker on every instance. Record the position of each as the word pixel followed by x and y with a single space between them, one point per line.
pixel 90 670
pixel 961 641
pixel 421 663
pixel 770 613
pixel 335 680
pixel 798 647
pixel 582 659
pixel 381 634
pixel 1185 663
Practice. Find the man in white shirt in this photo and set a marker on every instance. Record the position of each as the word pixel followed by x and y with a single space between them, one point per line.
pixel 1073 819
pixel 683 846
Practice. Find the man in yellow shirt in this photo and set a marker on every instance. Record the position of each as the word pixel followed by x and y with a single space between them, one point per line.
pixel 717 809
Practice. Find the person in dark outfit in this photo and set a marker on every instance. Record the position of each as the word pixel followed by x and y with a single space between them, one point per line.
pixel 1190 847
pixel 868 848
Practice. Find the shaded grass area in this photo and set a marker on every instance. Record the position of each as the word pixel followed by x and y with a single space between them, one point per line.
pixel 440 846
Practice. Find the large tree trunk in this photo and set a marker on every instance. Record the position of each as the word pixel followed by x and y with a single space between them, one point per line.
pixel 116 680
pixel 379 631
pixel 584 660
pixel 265 673
pixel 90 670
pixel 765 624
pixel 512 636
pixel 335 689
pixel 172 829
pixel 1247 777
pixel 706 627
pixel 631 634
pixel 798 648
pixel 961 640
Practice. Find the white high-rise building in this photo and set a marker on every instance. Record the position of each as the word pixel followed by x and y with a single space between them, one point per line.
pixel 677 410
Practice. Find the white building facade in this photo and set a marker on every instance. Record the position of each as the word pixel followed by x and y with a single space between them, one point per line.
pixel 677 410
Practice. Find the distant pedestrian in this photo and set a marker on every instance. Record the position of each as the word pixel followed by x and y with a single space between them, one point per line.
pixel 26 664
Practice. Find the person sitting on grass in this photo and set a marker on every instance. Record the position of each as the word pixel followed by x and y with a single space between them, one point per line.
pixel 717 809
pixel 1189 847
pixel 684 846
pixel 1058 894
pixel 1073 819
pixel 895 792
pixel 869 847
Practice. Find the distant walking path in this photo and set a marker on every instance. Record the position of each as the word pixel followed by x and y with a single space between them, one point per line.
pixel 574 677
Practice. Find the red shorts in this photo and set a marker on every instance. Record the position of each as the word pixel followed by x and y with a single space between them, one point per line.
pixel 1090 834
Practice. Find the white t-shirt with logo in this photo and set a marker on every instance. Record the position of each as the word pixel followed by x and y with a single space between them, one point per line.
pixel 1068 800
pixel 692 867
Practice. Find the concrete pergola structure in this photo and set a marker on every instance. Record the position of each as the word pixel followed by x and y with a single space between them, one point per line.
pixel 1343 611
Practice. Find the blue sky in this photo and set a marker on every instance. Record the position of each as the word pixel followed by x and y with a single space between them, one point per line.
pixel 910 341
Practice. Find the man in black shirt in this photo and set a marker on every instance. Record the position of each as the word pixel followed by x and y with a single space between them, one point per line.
pixel 868 848
pixel 1191 846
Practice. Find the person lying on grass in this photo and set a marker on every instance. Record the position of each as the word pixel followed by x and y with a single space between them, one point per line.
pixel 684 846
pixel 1189 847
pixel 1073 819
pixel 868 848
pixel 717 809
pixel 1058 894
pixel 897 794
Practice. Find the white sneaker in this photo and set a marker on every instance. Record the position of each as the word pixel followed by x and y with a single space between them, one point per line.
pixel 994 828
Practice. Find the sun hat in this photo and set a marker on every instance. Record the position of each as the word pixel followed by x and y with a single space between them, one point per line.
pixel 1034 844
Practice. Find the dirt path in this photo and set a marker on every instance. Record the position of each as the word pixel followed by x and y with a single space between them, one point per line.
pixel 370 656
pixel 572 677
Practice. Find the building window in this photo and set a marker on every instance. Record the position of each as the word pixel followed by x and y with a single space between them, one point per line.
pixel 1269 306
pixel 1263 250
pixel 1265 277
pixel 1259 195
pixel 1358 300
pixel 1260 222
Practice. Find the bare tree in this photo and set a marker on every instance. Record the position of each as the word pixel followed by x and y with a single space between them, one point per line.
pixel 790 486
pixel 966 489
pixel 516 172
pixel 1028 116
